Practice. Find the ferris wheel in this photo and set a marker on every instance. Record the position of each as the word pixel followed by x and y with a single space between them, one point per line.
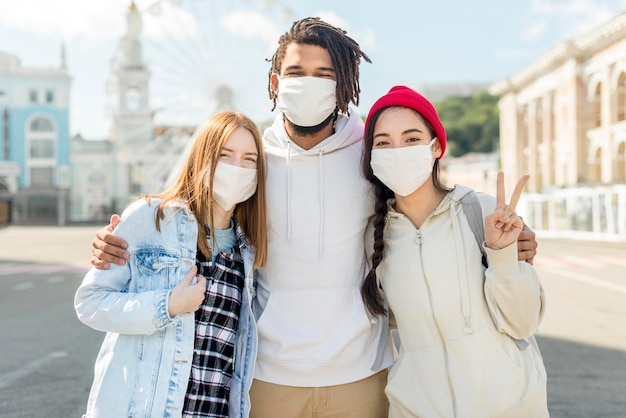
pixel 209 55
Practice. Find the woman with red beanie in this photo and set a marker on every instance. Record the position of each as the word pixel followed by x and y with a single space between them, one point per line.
pixel 463 324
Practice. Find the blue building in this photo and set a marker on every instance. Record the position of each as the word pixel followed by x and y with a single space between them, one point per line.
pixel 35 142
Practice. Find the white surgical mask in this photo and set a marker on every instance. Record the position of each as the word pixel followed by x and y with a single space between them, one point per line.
pixel 306 101
pixel 404 169
pixel 232 184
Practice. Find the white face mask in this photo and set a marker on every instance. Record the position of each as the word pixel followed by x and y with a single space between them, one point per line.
pixel 306 101
pixel 232 184
pixel 404 169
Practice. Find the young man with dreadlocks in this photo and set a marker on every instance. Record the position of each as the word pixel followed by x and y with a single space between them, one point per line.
pixel 318 347
pixel 320 353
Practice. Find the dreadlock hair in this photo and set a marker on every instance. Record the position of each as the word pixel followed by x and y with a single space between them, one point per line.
pixel 345 54
pixel 370 289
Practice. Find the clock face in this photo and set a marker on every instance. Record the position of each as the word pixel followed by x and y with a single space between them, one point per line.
pixel 133 99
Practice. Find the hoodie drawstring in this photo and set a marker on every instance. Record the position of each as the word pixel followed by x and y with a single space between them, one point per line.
pixel 321 191
pixel 462 275
pixel 288 191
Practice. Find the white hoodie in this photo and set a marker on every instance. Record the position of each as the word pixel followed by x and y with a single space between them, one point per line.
pixel 313 327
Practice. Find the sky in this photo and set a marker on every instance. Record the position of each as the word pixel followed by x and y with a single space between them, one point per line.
pixel 194 47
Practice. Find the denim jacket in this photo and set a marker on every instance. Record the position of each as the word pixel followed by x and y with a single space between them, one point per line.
pixel 142 369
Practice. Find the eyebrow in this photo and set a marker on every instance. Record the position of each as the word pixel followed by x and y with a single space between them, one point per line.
pixel 408 131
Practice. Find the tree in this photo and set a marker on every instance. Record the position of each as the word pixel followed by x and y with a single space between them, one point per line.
pixel 472 123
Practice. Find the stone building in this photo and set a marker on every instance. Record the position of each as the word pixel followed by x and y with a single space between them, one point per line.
pixel 563 120
pixel 34 139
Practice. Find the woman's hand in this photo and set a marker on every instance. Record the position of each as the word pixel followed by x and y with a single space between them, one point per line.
pixel 187 296
pixel 503 226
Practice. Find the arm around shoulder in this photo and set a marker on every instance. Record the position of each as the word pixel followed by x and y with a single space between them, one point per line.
pixel 103 300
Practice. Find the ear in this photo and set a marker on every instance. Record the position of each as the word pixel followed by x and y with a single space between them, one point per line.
pixel 274 82
pixel 436 149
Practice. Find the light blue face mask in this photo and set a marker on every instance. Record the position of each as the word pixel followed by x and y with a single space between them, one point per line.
pixel 405 169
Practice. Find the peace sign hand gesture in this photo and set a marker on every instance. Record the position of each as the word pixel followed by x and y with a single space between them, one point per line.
pixel 503 226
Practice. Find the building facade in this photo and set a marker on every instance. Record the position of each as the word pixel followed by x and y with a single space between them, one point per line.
pixel 137 157
pixel 563 120
pixel 35 152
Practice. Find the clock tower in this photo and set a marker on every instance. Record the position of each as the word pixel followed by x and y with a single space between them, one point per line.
pixel 132 117
pixel 132 133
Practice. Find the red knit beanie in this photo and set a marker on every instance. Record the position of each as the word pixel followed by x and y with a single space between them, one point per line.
pixel 406 97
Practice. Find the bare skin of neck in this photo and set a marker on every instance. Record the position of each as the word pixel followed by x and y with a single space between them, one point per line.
pixel 309 141
pixel 421 203
pixel 221 217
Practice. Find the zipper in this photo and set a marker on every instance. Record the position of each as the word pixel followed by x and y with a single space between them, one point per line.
pixel 418 241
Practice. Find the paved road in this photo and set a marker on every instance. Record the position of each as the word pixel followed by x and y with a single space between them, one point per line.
pixel 46 355
pixel 583 334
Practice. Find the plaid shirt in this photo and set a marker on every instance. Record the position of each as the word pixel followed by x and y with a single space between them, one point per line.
pixel 216 326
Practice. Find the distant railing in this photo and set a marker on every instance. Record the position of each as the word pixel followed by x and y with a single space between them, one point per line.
pixel 597 213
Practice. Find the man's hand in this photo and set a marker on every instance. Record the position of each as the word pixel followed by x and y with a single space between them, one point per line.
pixel 187 295
pixel 108 248
pixel 527 245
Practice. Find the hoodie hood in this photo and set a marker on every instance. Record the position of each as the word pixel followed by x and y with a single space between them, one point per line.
pixel 348 130
pixel 453 198
pixel 278 144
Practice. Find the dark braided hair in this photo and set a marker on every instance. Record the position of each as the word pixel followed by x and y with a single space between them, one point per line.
pixel 370 291
pixel 345 55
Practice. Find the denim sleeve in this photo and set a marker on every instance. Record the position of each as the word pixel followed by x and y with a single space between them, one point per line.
pixel 103 300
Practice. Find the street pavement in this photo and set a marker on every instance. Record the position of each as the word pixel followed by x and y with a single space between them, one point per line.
pixel 47 355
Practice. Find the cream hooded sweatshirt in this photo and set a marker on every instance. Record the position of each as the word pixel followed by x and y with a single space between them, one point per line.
pixel 455 320
pixel 313 327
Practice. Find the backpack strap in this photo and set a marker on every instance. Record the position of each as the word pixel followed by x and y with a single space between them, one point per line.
pixel 474 215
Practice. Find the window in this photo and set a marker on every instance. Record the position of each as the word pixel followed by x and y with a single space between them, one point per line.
pixel 596 107
pixel 41 148
pixel 621 97
pixel 41 142
pixel 41 125
pixel 96 186
pixel 49 96
pixel 32 95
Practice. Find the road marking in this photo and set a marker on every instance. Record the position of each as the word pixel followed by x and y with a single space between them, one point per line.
pixel 7 269
pixel 55 279
pixel 591 261
pixel 616 261
pixel 24 286
pixel 29 368
pixel 584 279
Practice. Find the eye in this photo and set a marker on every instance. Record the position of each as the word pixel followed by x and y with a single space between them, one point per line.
pixel 380 143
pixel 413 139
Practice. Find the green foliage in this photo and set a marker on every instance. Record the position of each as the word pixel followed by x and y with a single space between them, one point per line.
pixel 471 122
